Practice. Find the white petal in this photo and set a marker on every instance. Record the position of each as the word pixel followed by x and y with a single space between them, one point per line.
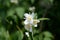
pixel 32 8
pixel 26 14
pixel 31 29
pixel 38 21
pixel 27 34
pixel 25 22
pixel 32 14
pixel 31 22
pixel 35 25
pixel 28 27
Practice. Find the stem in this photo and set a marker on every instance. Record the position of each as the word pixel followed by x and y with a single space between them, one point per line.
pixel 32 35
pixel 18 27
pixel 32 32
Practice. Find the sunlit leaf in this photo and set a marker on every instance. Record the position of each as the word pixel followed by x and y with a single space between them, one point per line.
pixel 46 38
pixel 47 34
pixel 20 35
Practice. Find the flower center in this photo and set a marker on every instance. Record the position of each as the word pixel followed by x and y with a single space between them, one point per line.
pixel 28 26
pixel 35 21
pixel 29 18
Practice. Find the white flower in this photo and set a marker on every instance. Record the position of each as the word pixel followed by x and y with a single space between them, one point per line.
pixel 14 1
pixel 27 34
pixel 28 18
pixel 30 21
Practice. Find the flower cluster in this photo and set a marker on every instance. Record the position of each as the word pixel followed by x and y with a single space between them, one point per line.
pixel 30 21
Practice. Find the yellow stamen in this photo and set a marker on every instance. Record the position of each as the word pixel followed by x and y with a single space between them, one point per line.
pixel 29 18
pixel 35 21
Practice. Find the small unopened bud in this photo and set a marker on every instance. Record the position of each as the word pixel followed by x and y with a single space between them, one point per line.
pixel 14 1
pixel 32 8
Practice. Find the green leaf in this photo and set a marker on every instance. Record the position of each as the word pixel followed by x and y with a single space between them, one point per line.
pixel 47 34
pixel 44 19
pixel 4 35
pixel 48 1
pixel 0 20
pixel 20 11
pixel 51 1
pixel 35 31
pixel 32 1
pixel 18 35
pixel 40 36
pixel 7 3
pixel 36 38
pixel 10 12
pixel 15 18
pixel 46 38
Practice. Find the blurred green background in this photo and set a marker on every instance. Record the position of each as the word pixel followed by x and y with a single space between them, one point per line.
pixel 12 16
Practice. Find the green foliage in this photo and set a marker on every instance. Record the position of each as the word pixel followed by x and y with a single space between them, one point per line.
pixel 47 34
pixel 4 35
pixel 18 10
pixel 32 1
pixel 7 3
pixel 46 38
pixel 17 35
